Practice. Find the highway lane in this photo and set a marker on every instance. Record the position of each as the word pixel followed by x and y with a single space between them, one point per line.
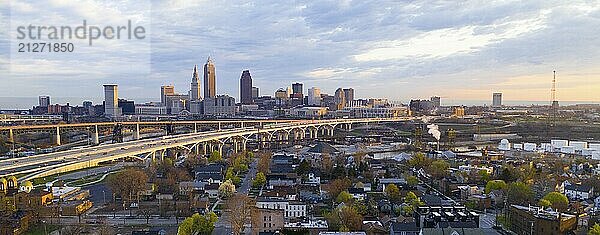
pixel 78 153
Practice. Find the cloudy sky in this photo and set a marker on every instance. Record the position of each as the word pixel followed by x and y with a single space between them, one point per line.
pixel 396 49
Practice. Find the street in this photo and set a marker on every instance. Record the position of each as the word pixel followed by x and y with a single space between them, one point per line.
pixel 222 226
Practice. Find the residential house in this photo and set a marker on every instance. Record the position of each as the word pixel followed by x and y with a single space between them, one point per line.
pixel 579 192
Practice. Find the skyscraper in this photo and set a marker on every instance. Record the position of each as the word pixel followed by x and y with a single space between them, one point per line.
pixel 210 79
pixel 246 87
pixel 339 99
pixel 497 99
pixel 297 88
pixel 44 101
pixel 255 92
pixel 165 91
pixel 436 100
pixel 349 95
pixel 195 85
pixel 111 101
pixel 314 96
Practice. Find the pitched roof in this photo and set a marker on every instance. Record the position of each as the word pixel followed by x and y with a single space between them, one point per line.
pixel 322 147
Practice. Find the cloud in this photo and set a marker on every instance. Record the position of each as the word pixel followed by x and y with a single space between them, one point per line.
pixel 399 50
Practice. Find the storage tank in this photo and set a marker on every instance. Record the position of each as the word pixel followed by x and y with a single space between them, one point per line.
pixel 596 155
pixel 567 149
pixel 595 146
pixel 558 144
pixel 578 145
pixel 529 147
pixel 504 145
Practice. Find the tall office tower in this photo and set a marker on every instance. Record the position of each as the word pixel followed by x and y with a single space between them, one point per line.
pixel 44 101
pixel 246 87
pixel 339 99
pixel 255 92
pixel 349 95
pixel 111 101
pixel 210 79
pixel 297 88
pixel 314 96
pixel 497 99
pixel 436 100
pixel 164 92
pixel 195 85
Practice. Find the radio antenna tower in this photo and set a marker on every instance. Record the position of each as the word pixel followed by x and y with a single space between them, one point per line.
pixel 554 101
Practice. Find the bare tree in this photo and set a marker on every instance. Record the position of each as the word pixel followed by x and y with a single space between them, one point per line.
pixel 240 207
pixel 264 162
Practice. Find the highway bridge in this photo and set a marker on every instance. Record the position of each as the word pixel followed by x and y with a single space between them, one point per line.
pixel 11 119
pixel 235 138
pixel 135 127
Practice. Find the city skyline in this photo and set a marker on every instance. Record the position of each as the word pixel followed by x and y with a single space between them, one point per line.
pixel 404 53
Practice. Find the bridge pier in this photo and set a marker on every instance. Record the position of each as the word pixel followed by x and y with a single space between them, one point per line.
pixel 244 144
pixel 204 148
pixel 241 124
pixel 195 127
pixel 95 138
pixel 11 137
pixel 136 134
pixel 57 135
pixel 219 125
pixel 162 155
pixel 235 146
pixel 221 149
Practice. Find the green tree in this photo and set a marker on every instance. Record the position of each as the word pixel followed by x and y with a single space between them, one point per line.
pixel 260 180
pixel 594 230
pixel 226 189
pixel 198 224
pixel 557 201
pixel 484 176
pixel 344 197
pixel 412 202
pixel 393 193
pixel 544 203
pixel 215 156
pixel 519 193
pixel 231 175
pixel 412 180
pixel 239 163
pixel 495 185
pixel 419 160
pixel 439 168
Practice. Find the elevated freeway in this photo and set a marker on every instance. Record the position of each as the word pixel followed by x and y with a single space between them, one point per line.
pixel 234 138
pixel 117 128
